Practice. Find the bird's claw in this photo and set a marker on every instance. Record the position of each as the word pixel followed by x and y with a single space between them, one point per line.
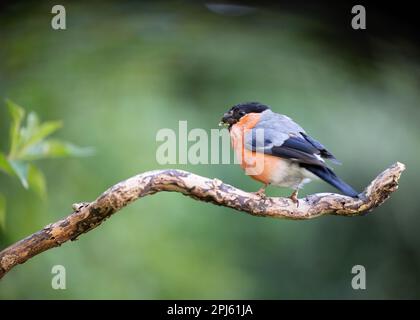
pixel 260 193
pixel 294 198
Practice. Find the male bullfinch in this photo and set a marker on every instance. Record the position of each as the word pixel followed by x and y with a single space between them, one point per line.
pixel 287 156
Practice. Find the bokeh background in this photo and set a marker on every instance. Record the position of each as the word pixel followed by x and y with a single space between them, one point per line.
pixel 122 71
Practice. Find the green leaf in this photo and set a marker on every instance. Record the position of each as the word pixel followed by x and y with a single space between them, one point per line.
pixel 36 180
pixel 5 165
pixel 55 149
pixel 2 211
pixel 21 170
pixel 16 113
pixel 37 134
pixel 32 124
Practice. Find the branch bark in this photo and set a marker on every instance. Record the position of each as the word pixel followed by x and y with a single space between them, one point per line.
pixel 87 216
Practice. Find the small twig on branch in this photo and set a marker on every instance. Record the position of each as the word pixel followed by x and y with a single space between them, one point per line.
pixel 88 216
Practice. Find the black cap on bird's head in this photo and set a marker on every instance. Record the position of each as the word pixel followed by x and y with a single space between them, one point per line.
pixel 238 111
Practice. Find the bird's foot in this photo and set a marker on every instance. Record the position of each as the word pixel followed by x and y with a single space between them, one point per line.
pixel 294 198
pixel 260 193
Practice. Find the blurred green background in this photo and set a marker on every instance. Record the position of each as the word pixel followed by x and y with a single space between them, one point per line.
pixel 120 72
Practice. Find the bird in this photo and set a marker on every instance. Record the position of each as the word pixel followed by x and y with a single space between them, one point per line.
pixel 286 154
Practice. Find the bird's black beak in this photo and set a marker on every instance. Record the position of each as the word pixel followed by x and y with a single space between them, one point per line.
pixel 227 119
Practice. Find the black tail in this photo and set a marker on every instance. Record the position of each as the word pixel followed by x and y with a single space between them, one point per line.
pixel 329 176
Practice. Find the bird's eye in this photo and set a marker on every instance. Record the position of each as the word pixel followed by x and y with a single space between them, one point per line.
pixel 242 113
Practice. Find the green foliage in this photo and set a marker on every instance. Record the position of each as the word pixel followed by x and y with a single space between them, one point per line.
pixel 54 148
pixel 16 113
pixel 31 142
pixel 20 169
pixel 5 164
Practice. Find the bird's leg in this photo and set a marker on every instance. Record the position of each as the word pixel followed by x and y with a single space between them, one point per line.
pixel 261 191
pixel 294 197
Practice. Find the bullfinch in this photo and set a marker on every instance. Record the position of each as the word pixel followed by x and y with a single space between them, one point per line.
pixel 286 154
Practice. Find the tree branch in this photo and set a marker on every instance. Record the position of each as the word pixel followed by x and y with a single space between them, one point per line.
pixel 88 216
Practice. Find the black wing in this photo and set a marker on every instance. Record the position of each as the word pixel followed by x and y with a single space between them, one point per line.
pixel 324 153
pixel 303 149
pixel 299 150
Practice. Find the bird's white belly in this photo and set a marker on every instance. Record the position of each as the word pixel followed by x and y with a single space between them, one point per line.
pixel 291 175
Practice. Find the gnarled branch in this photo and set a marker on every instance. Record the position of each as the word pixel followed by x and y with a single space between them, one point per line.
pixel 88 216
